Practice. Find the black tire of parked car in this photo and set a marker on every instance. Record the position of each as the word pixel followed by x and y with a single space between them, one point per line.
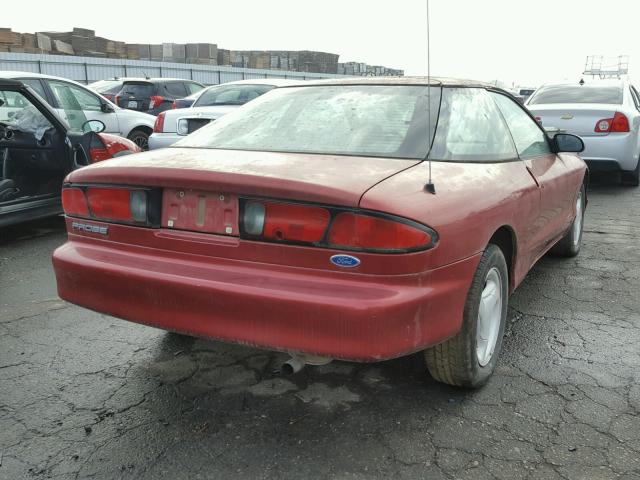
pixel 140 138
pixel 631 178
pixel 566 246
pixel 455 361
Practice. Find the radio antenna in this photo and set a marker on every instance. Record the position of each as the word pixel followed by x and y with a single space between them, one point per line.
pixel 429 187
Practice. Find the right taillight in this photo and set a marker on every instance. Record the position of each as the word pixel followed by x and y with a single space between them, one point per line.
pixel 155 102
pixel 158 126
pixel 332 227
pixel 618 124
pixel 366 232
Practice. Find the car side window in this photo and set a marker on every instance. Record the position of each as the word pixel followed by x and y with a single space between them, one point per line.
pixel 176 88
pixel 529 138
pixel 192 87
pixel 471 129
pixel 36 85
pixel 70 96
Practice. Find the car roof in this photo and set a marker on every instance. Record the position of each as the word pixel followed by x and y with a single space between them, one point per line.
pixel 439 81
pixel 593 83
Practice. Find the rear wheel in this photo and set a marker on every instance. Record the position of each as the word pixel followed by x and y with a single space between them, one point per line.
pixel 569 245
pixel 632 178
pixel 140 138
pixel 469 358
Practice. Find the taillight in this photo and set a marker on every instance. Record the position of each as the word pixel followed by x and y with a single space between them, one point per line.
pixel 173 105
pixel 116 100
pixel 108 96
pixel 74 203
pixel 286 222
pixel 105 146
pixel 618 124
pixel 332 227
pixel 158 126
pixel 116 204
pixel 156 101
pixel 365 232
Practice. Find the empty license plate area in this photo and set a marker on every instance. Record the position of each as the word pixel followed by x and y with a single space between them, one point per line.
pixel 199 211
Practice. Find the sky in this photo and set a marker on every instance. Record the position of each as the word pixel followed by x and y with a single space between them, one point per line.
pixel 521 42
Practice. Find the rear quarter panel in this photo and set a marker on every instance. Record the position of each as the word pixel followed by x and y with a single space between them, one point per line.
pixel 472 201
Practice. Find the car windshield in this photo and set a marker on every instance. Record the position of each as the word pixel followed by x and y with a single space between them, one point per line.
pixel 106 86
pixel 577 94
pixel 365 120
pixel 231 94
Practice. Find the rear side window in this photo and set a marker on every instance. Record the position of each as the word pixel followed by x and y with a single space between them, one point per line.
pixel 471 129
pixel 36 85
pixel 231 94
pixel 138 90
pixel 577 94
pixel 176 88
pixel 530 140
pixel 193 87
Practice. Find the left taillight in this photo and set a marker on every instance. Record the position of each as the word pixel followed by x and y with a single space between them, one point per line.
pixel 332 227
pixel 136 206
pixel 74 203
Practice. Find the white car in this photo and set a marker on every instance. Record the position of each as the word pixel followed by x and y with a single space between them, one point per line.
pixel 211 104
pixel 66 95
pixel 604 113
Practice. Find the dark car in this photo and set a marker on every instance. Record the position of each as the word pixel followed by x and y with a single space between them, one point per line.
pixel 38 149
pixel 149 95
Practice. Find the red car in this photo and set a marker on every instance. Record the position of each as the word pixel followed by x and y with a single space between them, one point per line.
pixel 309 221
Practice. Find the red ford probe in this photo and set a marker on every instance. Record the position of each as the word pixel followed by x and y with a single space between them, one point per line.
pixel 303 223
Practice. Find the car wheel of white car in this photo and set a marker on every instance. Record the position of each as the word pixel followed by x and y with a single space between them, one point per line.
pixel 140 138
pixel 469 358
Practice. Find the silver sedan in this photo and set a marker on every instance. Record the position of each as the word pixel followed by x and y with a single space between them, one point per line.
pixel 605 113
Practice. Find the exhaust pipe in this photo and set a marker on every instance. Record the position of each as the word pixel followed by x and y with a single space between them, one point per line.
pixel 298 362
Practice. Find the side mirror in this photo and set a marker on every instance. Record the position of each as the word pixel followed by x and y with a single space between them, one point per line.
pixel 565 142
pixel 106 108
pixel 95 126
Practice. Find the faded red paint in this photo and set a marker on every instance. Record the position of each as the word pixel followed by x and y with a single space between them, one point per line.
pixel 292 298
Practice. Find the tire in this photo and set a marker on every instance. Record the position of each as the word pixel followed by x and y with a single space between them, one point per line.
pixel 631 178
pixel 570 244
pixel 140 138
pixel 465 360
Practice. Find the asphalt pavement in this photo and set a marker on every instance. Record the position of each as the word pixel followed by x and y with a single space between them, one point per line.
pixel 85 395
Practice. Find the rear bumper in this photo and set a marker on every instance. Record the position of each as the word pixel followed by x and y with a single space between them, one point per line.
pixel 611 152
pixel 163 140
pixel 340 315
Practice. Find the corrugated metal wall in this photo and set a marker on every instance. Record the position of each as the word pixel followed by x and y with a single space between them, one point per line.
pixel 90 69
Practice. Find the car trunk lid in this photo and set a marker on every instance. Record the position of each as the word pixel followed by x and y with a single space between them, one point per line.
pixel 572 118
pixel 201 187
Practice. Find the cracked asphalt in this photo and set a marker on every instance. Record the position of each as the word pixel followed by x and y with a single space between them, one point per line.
pixel 84 395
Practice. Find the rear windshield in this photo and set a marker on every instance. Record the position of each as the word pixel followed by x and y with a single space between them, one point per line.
pixel 138 89
pixel 365 120
pixel 577 94
pixel 231 95
pixel 106 86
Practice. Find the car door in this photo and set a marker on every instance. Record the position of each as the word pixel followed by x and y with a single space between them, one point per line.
pixel 69 98
pixel 551 173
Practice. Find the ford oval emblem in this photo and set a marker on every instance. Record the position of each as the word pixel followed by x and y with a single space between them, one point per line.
pixel 346 261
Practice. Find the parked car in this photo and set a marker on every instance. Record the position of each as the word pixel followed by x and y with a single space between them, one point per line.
pixel 606 115
pixel 149 95
pixel 186 102
pixel 308 221
pixel 66 95
pixel 38 149
pixel 211 104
